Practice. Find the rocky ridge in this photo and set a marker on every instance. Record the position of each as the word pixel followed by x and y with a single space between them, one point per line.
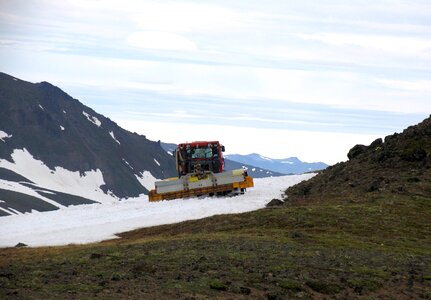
pixel 399 164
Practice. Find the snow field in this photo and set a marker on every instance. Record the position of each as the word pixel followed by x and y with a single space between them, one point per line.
pixel 147 180
pixel 96 222
pixel 60 179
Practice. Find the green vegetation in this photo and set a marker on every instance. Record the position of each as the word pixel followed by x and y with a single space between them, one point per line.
pixel 380 246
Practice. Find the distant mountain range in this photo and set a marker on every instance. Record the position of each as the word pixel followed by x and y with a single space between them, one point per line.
pixel 291 165
pixel 55 152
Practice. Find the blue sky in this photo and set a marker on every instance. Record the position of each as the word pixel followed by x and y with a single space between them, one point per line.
pixel 281 78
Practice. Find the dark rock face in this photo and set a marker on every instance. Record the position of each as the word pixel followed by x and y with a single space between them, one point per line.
pixel 61 131
pixel 23 202
pixel 400 164
pixel 360 149
pixel 377 143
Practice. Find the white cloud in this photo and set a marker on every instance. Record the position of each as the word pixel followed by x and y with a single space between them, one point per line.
pixel 323 87
pixel 420 86
pixel 386 43
pixel 231 116
pixel 183 17
pixel 161 41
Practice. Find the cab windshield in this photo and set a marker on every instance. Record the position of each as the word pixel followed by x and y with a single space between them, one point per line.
pixel 203 152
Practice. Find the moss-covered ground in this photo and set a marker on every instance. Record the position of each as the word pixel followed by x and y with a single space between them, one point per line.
pixel 377 248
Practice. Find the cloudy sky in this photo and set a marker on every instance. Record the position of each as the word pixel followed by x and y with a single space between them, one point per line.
pixel 280 78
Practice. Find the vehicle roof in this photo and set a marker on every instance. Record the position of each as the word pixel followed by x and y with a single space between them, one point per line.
pixel 199 143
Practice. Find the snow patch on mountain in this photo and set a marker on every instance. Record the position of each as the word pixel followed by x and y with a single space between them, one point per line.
pixel 4 135
pixel 9 212
pixel 127 163
pixel 147 180
pixel 14 211
pixel 87 186
pixel 265 158
pixel 155 160
pixel 41 107
pixel 92 119
pixel 18 187
pixel 62 128
pixel 113 136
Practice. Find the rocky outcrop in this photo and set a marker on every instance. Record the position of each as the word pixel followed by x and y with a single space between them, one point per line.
pixel 399 164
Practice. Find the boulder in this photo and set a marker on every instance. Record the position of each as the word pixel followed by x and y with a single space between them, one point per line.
pixel 356 150
pixel 377 143
pixel 274 202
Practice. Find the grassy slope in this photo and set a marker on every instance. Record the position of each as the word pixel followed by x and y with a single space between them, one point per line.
pixel 378 246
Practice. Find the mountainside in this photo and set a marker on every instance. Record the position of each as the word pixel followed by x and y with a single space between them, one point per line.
pixel 401 164
pixel 291 165
pixel 51 143
pixel 252 170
